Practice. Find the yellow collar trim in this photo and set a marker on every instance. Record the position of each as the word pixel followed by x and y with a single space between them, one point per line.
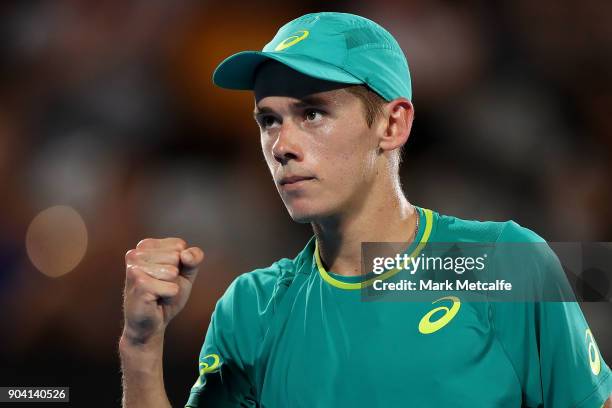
pixel 358 285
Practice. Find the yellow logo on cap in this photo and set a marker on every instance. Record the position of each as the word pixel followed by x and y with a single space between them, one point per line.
pixel 292 40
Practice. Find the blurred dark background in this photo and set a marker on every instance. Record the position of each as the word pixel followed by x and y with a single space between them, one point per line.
pixel 107 110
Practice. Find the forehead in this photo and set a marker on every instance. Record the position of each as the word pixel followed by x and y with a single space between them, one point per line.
pixel 275 79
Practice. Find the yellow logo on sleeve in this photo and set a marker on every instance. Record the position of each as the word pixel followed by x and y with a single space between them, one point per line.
pixel 426 326
pixel 594 359
pixel 292 40
pixel 211 363
pixel 208 368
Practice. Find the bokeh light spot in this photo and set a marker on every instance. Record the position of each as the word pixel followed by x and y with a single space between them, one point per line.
pixel 56 240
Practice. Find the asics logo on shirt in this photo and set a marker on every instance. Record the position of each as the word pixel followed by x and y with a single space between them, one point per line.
pixel 427 326
pixel 209 364
pixel 594 359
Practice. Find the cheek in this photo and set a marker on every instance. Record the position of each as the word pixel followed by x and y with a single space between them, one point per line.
pixel 343 167
pixel 344 149
pixel 266 148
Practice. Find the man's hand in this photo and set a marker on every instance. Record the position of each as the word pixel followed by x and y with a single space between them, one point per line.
pixel 159 277
pixel 158 280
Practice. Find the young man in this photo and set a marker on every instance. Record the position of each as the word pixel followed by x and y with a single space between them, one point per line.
pixel 333 104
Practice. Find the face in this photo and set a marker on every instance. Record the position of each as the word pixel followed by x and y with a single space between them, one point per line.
pixel 316 142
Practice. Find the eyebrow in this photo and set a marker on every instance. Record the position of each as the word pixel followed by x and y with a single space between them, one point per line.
pixel 301 103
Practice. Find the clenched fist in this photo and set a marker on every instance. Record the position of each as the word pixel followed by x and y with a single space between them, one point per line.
pixel 159 277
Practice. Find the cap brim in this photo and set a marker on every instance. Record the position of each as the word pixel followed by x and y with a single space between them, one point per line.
pixel 238 70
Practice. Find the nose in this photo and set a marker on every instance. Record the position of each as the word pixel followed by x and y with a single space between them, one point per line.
pixel 286 146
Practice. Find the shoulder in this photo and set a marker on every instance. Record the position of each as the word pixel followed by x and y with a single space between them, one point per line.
pixel 515 246
pixel 261 289
pixel 513 232
pixel 259 284
pixel 454 229
pixel 252 292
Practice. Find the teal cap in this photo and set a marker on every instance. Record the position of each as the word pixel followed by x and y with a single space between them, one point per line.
pixel 337 47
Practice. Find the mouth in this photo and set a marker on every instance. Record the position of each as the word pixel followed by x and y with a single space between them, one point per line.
pixel 294 180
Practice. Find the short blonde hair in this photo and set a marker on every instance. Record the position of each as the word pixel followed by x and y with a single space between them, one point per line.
pixel 372 102
pixel 373 105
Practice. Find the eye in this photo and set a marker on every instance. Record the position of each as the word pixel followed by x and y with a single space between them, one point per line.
pixel 267 121
pixel 313 115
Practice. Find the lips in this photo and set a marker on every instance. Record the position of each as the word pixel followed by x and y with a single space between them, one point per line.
pixel 294 179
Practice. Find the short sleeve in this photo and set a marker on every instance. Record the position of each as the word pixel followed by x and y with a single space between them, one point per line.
pixel 549 343
pixel 227 362
pixel 573 371
pixel 223 362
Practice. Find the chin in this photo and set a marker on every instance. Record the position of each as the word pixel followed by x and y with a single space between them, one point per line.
pixel 302 217
pixel 305 214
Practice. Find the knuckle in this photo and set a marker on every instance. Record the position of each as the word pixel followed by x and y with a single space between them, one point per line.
pixel 131 270
pixel 131 255
pixel 174 289
pixel 175 257
pixel 140 282
pixel 145 242
pixel 171 270
pixel 181 243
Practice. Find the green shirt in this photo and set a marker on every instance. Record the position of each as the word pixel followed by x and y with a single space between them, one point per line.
pixel 296 335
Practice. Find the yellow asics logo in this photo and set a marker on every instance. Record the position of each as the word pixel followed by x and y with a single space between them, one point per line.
pixel 593 353
pixel 207 368
pixel 292 40
pixel 426 326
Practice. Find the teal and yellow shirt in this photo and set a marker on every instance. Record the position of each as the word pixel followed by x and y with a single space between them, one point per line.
pixel 296 335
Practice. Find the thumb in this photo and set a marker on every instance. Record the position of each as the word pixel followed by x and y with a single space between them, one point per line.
pixel 191 258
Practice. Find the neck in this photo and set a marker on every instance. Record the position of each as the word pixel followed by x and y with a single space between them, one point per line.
pixel 383 216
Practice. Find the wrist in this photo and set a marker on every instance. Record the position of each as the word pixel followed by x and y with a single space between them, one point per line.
pixel 142 369
pixel 141 355
pixel 136 348
pixel 132 341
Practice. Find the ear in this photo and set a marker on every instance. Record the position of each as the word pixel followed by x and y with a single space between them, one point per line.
pixel 399 114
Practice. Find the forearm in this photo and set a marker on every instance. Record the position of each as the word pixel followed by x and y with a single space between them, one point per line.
pixel 143 378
